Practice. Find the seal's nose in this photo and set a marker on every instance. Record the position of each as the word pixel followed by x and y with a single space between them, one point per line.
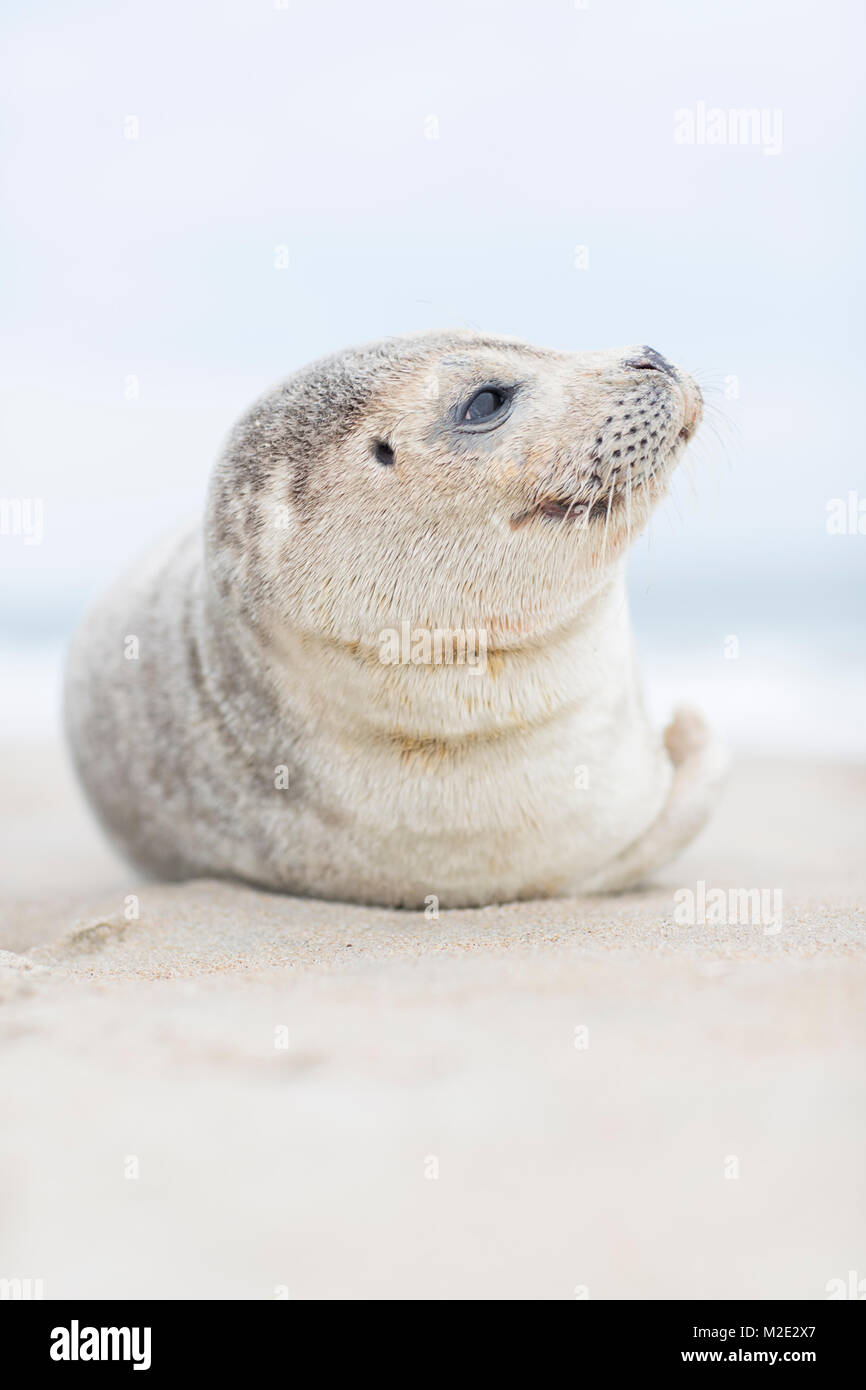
pixel 648 360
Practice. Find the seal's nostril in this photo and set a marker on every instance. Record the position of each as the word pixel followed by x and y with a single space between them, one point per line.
pixel 649 360
pixel 383 453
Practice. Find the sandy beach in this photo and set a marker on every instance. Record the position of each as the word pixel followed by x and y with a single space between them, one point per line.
pixel 234 1094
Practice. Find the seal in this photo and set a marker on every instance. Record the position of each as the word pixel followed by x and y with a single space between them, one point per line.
pixel 395 665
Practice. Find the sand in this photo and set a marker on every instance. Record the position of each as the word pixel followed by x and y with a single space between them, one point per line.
pixel 241 1095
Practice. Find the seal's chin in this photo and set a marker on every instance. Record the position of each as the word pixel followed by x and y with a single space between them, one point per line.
pixel 693 408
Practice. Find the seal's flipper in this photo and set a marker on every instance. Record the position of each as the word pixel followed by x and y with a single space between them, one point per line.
pixel 700 763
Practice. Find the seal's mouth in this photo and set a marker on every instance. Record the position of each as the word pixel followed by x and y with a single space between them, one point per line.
pixel 567 509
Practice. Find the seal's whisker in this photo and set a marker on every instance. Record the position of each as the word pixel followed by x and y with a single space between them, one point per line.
pixel 714 446
pixel 607 521
pixel 720 422
pixel 690 474
pixel 711 380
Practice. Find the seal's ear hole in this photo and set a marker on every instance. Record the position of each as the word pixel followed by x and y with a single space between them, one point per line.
pixel 383 452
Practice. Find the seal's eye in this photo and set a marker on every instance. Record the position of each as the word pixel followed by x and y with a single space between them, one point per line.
pixel 383 452
pixel 484 404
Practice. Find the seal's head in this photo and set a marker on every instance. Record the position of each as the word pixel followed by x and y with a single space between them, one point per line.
pixel 444 480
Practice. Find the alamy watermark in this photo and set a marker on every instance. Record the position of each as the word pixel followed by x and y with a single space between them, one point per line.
pixel 23 516
pixel 77 1343
pixel 21 1290
pixel 759 126
pixel 853 1287
pixel 729 907
pixel 846 516
pixel 438 646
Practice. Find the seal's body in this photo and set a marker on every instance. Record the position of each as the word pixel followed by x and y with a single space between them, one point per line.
pixel 397 665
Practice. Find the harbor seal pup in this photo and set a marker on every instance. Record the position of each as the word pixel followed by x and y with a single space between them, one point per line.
pixel 395 666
